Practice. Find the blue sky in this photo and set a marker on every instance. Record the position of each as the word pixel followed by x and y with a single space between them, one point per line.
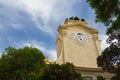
pixel 35 22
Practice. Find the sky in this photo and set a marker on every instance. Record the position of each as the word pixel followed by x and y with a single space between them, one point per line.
pixel 35 22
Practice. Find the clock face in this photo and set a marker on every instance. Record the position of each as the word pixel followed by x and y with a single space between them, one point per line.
pixel 72 34
pixel 80 37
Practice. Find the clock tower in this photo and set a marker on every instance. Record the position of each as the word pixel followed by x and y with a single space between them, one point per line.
pixel 78 43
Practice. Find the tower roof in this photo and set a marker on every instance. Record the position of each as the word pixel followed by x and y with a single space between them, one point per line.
pixel 78 23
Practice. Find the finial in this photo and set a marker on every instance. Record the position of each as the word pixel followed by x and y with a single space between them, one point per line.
pixel 74 19
pixel 82 19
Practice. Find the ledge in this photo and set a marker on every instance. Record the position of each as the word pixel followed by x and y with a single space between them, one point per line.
pixel 89 69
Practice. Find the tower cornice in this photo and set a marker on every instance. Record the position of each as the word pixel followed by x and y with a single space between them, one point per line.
pixel 74 23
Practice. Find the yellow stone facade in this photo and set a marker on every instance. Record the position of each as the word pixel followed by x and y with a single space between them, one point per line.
pixel 78 43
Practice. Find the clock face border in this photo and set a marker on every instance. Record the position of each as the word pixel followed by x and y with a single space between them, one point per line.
pixel 80 37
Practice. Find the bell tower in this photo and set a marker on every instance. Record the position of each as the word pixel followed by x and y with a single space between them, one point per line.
pixel 77 43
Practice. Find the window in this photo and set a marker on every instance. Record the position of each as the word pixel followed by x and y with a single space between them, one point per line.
pixel 88 78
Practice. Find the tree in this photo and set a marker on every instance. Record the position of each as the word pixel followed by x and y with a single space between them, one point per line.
pixel 109 59
pixel 60 72
pixel 21 64
pixel 100 78
pixel 108 12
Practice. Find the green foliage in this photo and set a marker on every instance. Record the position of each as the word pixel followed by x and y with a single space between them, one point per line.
pixel 100 78
pixel 118 71
pixel 115 78
pixel 60 72
pixel 109 58
pixel 21 64
pixel 107 12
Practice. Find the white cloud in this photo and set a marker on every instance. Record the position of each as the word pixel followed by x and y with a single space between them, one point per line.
pixel 51 53
pixel 16 26
pixel 39 8
pixel 103 43
pixel 43 12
